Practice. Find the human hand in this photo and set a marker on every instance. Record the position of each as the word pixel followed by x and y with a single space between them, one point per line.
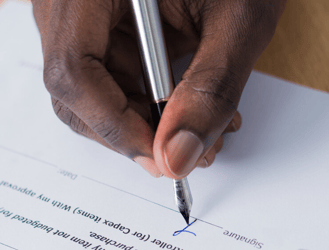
pixel 92 68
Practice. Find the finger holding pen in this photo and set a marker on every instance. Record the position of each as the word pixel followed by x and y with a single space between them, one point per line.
pixel 79 40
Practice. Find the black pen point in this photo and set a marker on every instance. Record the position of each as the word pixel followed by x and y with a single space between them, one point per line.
pixel 186 217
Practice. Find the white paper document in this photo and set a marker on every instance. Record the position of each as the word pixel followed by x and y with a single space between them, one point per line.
pixel 268 188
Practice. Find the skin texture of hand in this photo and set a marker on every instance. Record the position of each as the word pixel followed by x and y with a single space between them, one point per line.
pixel 92 69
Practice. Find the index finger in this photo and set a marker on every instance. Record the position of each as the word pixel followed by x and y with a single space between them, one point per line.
pixel 77 40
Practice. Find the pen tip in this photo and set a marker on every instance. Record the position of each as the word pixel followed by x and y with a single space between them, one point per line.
pixel 186 217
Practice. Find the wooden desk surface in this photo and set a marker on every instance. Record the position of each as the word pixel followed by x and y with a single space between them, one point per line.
pixel 299 51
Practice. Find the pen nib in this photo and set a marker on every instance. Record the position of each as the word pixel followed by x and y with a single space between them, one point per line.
pixel 183 198
pixel 186 216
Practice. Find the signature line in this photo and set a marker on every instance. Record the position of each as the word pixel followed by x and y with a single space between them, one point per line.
pixel 8 246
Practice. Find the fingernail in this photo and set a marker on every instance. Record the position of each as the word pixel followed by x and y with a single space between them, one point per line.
pixel 182 153
pixel 234 126
pixel 203 163
pixel 231 127
pixel 149 165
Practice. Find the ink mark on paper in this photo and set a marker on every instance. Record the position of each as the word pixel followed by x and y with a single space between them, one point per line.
pixel 184 230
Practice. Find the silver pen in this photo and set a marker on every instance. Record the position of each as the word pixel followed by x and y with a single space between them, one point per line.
pixel 158 77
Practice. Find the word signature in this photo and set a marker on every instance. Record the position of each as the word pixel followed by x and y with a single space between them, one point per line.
pixel 184 230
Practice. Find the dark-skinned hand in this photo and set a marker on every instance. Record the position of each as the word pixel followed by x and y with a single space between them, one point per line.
pixel 92 69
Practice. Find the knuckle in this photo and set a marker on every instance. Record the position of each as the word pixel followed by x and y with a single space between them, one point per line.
pixel 218 103
pixel 220 93
pixel 109 132
pixel 62 112
pixel 78 125
pixel 69 118
pixel 60 76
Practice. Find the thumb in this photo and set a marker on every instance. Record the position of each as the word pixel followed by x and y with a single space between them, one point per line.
pixel 196 115
pixel 201 107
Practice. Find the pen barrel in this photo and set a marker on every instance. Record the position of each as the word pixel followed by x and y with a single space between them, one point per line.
pixel 159 82
pixel 157 111
pixel 158 77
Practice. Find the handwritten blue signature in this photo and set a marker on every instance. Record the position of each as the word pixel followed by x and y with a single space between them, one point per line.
pixel 184 230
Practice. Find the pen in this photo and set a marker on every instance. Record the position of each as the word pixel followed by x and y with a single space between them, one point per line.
pixel 159 81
